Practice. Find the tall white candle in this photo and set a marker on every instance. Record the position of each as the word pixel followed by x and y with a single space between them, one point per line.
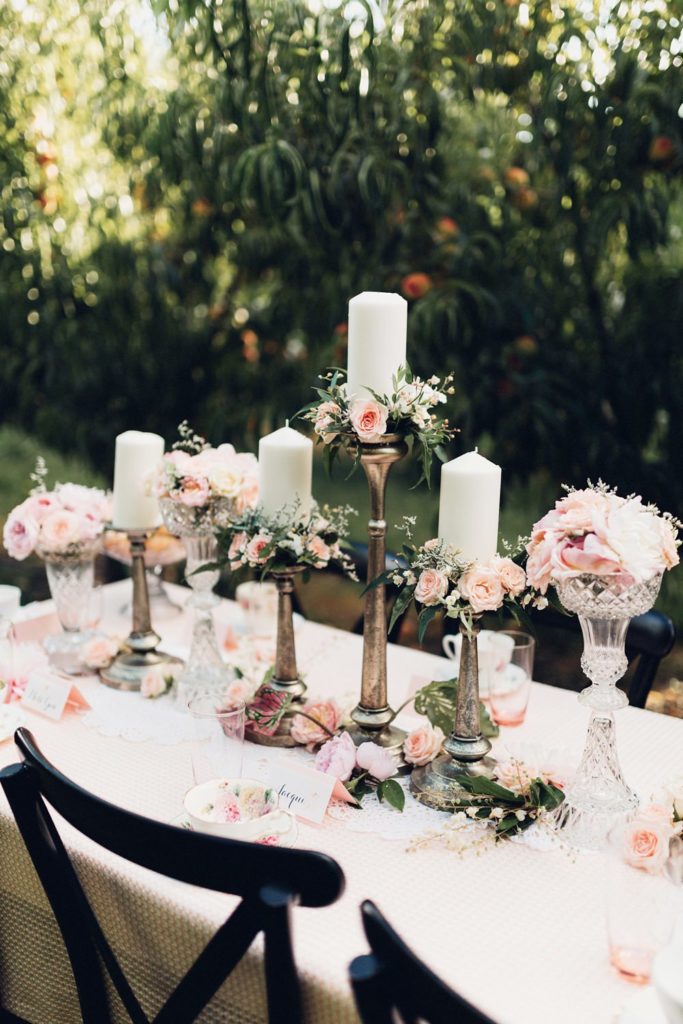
pixel 469 504
pixel 377 342
pixel 136 506
pixel 285 468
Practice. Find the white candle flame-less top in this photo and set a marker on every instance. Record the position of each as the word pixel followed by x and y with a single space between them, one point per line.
pixel 136 506
pixel 285 467
pixel 377 342
pixel 469 505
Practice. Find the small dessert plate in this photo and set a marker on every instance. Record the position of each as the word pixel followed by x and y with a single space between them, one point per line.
pixel 287 838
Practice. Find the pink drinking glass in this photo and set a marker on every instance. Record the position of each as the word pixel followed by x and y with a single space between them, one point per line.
pixel 510 687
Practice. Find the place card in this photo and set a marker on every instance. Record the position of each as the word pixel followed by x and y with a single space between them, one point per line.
pixel 34 630
pixel 302 791
pixel 49 695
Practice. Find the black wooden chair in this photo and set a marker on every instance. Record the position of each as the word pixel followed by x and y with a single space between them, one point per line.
pixel 270 881
pixel 391 978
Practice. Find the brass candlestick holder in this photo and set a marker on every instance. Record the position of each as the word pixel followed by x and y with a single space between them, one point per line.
pixel 372 716
pixel 437 784
pixel 286 678
pixel 129 667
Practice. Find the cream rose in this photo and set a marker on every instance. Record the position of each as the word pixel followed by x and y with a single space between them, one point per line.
pixel 224 481
pixel 368 419
pixel 482 587
pixel 423 744
pixel 432 586
pixel 378 761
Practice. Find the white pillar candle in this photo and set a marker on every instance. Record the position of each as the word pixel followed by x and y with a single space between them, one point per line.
pixel 285 468
pixel 377 342
pixel 136 506
pixel 469 504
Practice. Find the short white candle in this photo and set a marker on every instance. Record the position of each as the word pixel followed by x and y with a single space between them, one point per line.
pixel 469 505
pixel 377 342
pixel 135 505
pixel 285 468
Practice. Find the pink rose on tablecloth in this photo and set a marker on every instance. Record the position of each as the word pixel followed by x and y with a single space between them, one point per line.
pixel 60 529
pixel 20 534
pixel 423 744
pixel 482 587
pixel 256 547
pixel 99 651
pixel 646 842
pixel 317 547
pixel 432 586
pixel 376 760
pixel 309 733
pixel 157 680
pixel 194 491
pixel 368 419
pixel 511 575
pixel 337 757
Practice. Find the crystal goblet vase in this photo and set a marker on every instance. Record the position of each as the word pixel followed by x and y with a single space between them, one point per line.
pixel 204 668
pixel 598 796
pixel 70 577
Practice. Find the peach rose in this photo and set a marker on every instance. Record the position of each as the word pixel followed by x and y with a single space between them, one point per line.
pixel 377 761
pixel 195 491
pixel 482 587
pixel 156 681
pixel 59 530
pixel 539 567
pixel 368 419
pixel 20 534
pixel 646 843
pixel 311 734
pixel 423 744
pixel 325 415
pixel 256 547
pixel 99 652
pixel 432 586
pixel 317 547
pixel 512 576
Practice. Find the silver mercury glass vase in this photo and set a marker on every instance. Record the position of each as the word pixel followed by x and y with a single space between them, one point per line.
pixel 598 795
pixel 70 576
pixel 204 668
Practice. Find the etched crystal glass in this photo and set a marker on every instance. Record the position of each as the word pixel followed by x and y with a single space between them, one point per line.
pixel 204 668
pixel 598 796
pixel 70 576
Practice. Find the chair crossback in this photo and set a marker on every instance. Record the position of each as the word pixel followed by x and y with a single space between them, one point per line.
pixel 270 881
pixel 392 980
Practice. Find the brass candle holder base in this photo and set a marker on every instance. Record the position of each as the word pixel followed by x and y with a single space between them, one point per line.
pixel 465 749
pixel 128 669
pixel 372 716
pixel 286 678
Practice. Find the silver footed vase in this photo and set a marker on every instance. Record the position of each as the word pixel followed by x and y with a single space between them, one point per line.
pixel 598 796
pixel 70 577
pixel 204 668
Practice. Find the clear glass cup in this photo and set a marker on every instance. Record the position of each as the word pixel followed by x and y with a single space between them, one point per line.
pixel 218 744
pixel 510 687
pixel 258 601
pixel 641 902
pixel 95 607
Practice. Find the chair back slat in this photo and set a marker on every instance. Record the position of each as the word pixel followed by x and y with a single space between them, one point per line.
pixel 269 880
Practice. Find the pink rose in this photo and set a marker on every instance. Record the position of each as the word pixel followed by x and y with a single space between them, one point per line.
pixel 368 419
pixel 646 844
pixel 195 491
pixel 238 693
pixel 256 547
pixel 423 744
pixel 376 760
pixel 157 681
pixel 482 587
pixel 38 505
pixel 86 501
pixel 317 547
pixel 337 757
pixel 99 652
pixel 539 567
pixel 512 576
pixel 238 541
pixel 579 510
pixel 310 733
pixel 60 529
pixel 20 534
pixel 181 461
pixel 584 555
pixel 432 586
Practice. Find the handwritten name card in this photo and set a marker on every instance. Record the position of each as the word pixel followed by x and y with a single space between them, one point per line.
pixel 302 791
pixel 50 696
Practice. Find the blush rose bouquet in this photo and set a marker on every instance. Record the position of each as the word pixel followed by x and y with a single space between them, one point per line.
pixel 597 532
pixel 341 420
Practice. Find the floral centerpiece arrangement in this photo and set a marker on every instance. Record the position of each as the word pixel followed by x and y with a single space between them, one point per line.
pixel 63 521
pixel 438 579
pixel 597 532
pixel 344 422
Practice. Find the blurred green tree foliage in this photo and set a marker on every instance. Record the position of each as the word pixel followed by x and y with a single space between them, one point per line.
pixel 191 195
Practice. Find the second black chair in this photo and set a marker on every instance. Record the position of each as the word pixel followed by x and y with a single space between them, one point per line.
pixel 269 880
pixel 391 978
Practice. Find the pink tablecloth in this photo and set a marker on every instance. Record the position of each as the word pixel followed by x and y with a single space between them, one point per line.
pixel 517 931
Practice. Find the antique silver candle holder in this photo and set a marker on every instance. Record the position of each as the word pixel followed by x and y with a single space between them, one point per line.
pixel 286 678
pixel 372 716
pixel 465 749
pixel 127 670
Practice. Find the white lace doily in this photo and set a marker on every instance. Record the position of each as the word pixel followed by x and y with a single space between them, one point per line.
pixel 132 717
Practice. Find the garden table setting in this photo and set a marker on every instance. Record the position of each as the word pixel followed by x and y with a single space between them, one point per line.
pixel 526 844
